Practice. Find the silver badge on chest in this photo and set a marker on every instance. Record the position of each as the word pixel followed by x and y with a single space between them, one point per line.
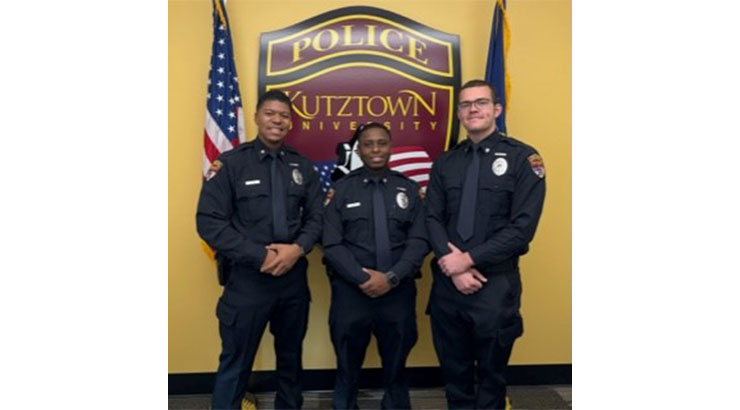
pixel 297 177
pixel 402 200
pixel 499 166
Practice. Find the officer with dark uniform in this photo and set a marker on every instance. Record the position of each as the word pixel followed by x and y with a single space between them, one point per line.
pixel 483 203
pixel 260 206
pixel 374 243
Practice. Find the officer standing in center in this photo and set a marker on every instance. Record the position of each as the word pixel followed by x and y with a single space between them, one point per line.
pixel 260 207
pixel 374 243
pixel 483 203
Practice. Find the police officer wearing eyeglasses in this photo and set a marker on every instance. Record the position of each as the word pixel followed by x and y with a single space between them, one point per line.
pixel 261 208
pixel 483 204
pixel 374 243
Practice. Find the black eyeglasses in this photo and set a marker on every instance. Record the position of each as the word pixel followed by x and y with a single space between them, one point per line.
pixel 479 104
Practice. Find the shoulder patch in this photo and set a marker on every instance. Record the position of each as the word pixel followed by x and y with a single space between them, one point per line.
pixel 329 196
pixel 538 166
pixel 213 170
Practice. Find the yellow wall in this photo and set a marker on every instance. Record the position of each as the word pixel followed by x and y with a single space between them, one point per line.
pixel 540 114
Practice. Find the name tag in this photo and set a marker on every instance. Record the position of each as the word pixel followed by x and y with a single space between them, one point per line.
pixel 353 204
pixel 252 182
pixel 499 154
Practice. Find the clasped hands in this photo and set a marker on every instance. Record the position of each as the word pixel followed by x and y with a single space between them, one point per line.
pixel 280 258
pixel 459 267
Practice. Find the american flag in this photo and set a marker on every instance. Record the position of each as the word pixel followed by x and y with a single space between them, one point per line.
pixel 224 127
pixel 412 161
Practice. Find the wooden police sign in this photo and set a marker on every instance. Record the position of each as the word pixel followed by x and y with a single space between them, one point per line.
pixel 360 64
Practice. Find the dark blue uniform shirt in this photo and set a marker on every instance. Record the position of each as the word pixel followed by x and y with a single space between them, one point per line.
pixel 349 234
pixel 511 192
pixel 235 207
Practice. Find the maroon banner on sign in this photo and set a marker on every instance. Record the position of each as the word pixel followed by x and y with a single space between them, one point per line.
pixel 361 64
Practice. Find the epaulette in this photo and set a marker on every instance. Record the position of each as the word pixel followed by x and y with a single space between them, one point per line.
pixel 290 149
pixel 354 171
pixel 517 143
pixel 459 145
pixel 400 175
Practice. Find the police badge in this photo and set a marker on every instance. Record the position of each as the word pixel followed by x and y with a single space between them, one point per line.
pixel 402 200
pixel 499 166
pixel 297 177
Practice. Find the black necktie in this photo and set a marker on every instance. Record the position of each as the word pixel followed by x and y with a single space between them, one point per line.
pixel 466 216
pixel 380 218
pixel 279 222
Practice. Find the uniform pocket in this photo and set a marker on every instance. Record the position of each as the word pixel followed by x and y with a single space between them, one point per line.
pixel 496 197
pixel 253 201
pixel 296 201
pixel 508 334
pixel 226 314
pixel 453 190
pixel 398 224
pixel 356 224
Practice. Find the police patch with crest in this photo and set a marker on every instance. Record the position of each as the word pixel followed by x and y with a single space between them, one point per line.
pixel 329 196
pixel 213 170
pixel 499 166
pixel 402 200
pixel 297 177
pixel 537 164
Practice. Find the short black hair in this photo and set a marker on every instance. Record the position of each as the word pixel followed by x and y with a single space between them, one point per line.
pixel 482 83
pixel 273 95
pixel 369 125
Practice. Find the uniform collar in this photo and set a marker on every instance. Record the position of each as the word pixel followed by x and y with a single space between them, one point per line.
pixel 487 143
pixel 263 151
pixel 367 175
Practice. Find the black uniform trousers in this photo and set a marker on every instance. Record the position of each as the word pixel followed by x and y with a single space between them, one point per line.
pixel 353 316
pixel 252 299
pixel 473 336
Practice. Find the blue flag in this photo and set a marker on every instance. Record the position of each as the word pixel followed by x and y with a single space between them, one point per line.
pixel 496 64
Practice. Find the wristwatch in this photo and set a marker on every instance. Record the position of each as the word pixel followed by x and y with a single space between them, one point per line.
pixel 392 278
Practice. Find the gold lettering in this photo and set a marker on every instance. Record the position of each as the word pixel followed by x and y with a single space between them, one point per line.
pixel 431 108
pixel 353 125
pixel 341 112
pixel 384 39
pixel 370 105
pixel 413 49
pixel 336 125
pixel 360 99
pixel 315 112
pixel 328 104
pixel 333 42
pixel 433 124
pixel 321 125
pixel 416 125
pixel 348 37
pixel 371 35
pixel 399 104
pixel 306 125
pixel 295 108
pixel 299 46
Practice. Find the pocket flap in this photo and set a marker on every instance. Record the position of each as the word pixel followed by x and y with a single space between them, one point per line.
pixel 225 313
